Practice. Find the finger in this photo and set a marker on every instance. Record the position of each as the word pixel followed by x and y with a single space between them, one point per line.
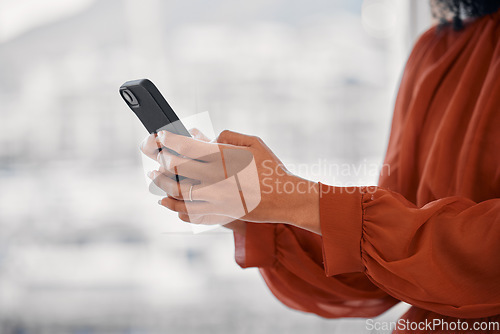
pixel 193 169
pixel 150 147
pixel 184 217
pixel 165 172
pixel 179 190
pixel 167 184
pixel 186 146
pixel 238 139
pixel 197 134
pixel 189 208
pixel 153 188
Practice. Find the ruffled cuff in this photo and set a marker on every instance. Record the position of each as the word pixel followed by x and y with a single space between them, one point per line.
pixel 341 221
pixel 255 246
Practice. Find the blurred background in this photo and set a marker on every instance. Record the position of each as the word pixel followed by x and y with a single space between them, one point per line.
pixel 84 248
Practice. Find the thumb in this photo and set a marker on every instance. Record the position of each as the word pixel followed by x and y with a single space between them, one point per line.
pixel 197 134
pixel 237 139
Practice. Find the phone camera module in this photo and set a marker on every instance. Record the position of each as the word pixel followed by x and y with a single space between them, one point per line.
pixel 129 97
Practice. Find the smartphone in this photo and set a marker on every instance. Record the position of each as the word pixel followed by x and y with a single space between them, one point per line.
pixel 150 106
pixel 153 111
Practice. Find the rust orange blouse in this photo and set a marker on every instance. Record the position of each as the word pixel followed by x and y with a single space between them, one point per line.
pixel 429 234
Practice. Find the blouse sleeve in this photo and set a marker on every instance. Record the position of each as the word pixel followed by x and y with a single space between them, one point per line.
pixel 443 257
pixel 291 262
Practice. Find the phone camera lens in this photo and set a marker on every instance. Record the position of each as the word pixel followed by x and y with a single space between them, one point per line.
pixel 129 97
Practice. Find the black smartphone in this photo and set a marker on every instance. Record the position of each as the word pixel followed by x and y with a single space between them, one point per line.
pixel 154 112
pixel 150 106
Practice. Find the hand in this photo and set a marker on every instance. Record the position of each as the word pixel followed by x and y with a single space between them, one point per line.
pixel 237 177
pixel 151 148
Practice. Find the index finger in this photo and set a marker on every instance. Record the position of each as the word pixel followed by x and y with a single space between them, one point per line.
pixel 150 147
pixel 187 146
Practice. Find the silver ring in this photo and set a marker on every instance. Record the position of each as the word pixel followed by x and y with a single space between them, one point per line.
pixel 191 193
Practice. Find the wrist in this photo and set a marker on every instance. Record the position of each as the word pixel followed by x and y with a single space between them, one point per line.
pixel 302 205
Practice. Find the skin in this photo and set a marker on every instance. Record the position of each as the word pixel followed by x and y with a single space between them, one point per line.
pixel 271 193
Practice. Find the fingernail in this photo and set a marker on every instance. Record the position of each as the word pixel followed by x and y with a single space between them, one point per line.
pixel 151 175
pixel 159 201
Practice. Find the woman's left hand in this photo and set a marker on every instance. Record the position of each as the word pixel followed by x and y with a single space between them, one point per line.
pixel 236 177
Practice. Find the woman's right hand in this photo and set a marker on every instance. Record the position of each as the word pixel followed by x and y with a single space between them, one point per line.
pixel 151 148
pixel 237 177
